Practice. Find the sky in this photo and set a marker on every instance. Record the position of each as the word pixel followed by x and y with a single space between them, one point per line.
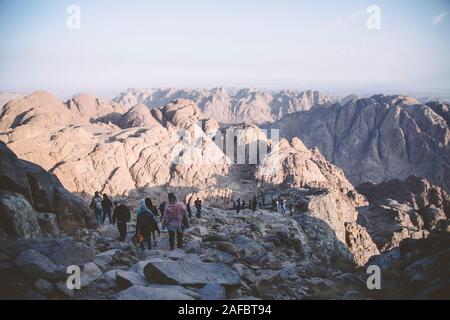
pixel 321 44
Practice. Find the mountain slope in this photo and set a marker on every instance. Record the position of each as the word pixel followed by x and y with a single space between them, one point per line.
pixel 378 138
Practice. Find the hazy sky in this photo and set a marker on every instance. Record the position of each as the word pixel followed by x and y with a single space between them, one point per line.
pixel 271 44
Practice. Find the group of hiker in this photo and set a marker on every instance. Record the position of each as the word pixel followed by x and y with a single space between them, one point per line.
pixel 198 207
pixel 280 205
pixel 253 204
pixel 174 218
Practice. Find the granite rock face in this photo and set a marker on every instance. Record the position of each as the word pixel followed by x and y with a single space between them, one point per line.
pixel 378 138
pixel 403 209
pixel 88 155
pixel 29 196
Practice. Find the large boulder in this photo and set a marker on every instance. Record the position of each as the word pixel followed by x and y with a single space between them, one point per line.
pixel 12 178
pixel 17 217
pixel 35 264
pixel 126 279
pixel 90 273
pixel 188 273
pixel 49 195
pixel 43 191
pixel 360 243
pixel 65 251
pixel 248 248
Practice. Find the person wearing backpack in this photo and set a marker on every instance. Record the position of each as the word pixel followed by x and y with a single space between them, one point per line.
pixel 96 205
pixel 122 216
pixel 146 224
pixel 173 219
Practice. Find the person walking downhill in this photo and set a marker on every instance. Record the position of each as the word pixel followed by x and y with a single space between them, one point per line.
pixel 198 206
pixel 96 205
pixel 173 221
pixel 107 207
pixel 154 211
pixel 121 215
pixel 146 224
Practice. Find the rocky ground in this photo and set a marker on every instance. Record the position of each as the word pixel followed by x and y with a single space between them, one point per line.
pixel 225 255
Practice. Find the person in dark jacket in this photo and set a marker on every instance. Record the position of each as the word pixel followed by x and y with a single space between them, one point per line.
pixel 96 206
pixel 154 211
pixel 121 216
pixel 146 225
pixel 238 205
pixel 198 206
pixel 107 206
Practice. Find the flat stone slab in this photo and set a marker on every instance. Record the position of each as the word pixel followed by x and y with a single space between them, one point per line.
pixel 188 273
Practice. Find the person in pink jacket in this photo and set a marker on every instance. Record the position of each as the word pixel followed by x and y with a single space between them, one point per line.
pixel 174 221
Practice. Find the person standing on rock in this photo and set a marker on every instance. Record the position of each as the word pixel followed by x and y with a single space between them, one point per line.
pixel 173 221
pixel 107 206
pixel 283 206
pixel 96 205
pixel 198 206
pixel 122 216
pixel 238 205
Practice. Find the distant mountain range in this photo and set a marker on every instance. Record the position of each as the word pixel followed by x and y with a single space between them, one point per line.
pixel 231 106
pixel 372 139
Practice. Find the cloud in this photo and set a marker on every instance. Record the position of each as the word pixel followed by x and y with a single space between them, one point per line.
pixel 440 17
